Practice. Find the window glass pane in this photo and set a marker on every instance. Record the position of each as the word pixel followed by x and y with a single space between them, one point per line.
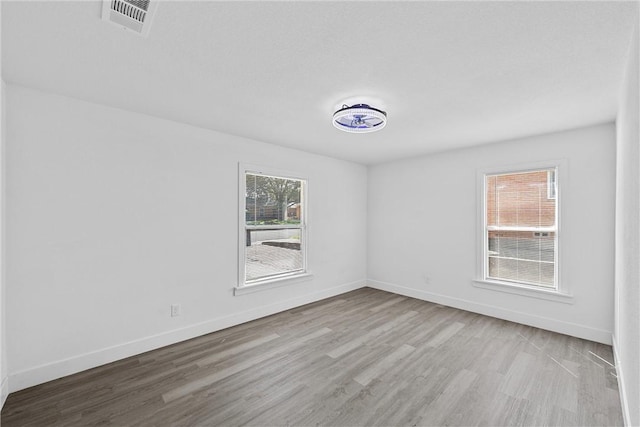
pixel 521 228
pixel 520 200
pixel 272 200
pixel 273 252
pixel 522 256
pixel 273 227
pixel 551 184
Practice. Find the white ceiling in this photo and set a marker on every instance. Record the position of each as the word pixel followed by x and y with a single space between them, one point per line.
pixel 450 74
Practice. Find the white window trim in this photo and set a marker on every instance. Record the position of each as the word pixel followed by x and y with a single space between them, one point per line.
pixel 524 290
pixel 242 286
pixel 263 285
pixel 562 292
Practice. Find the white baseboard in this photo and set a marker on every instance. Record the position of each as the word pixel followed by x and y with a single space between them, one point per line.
pixel 51 371
pixel 624 401
pixel 554 325
pixel 4 391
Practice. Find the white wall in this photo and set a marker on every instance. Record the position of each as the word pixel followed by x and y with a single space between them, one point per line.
pixel 627 268
pixel 4 381
pixel 423 238
pixel 112 216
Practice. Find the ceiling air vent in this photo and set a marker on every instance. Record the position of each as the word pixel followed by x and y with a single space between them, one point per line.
pixel 134 15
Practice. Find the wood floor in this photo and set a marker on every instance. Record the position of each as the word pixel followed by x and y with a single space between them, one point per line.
pixel 363 358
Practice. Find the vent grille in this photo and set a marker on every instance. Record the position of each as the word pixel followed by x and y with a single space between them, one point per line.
pixel 140 4
pixel 134 9
pixel 131 14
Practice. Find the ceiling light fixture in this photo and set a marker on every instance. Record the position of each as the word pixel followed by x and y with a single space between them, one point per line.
pixel 359 118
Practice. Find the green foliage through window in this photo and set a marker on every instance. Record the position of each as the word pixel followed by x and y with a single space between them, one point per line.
pixel 272 200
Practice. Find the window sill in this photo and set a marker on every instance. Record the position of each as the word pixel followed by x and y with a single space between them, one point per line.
pixel 273 283
pixel 549 295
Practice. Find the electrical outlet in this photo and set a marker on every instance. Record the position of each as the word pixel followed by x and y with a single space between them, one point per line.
pixel 175 310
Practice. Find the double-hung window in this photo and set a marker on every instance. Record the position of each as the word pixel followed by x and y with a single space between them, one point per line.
pixel 520 236
pixel 272 238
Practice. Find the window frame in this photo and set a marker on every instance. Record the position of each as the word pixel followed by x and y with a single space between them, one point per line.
pixel 561 292
pixel 243 286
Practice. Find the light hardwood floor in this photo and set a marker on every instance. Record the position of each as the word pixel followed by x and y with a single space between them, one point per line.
pixel 363 358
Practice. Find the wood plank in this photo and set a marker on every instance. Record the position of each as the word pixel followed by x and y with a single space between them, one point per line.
pixel 365 377
pixel 445 334
pixel 449 402
pixel 358 341
pixel 236 350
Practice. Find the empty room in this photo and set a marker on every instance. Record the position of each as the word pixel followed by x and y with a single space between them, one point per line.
pixel 319 213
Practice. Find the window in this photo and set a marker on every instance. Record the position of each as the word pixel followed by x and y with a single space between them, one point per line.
pixel 520 243
pixel 272 226
pixel 551 184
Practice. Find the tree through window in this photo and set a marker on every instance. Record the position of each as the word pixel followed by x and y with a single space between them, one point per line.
pixel 273 227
